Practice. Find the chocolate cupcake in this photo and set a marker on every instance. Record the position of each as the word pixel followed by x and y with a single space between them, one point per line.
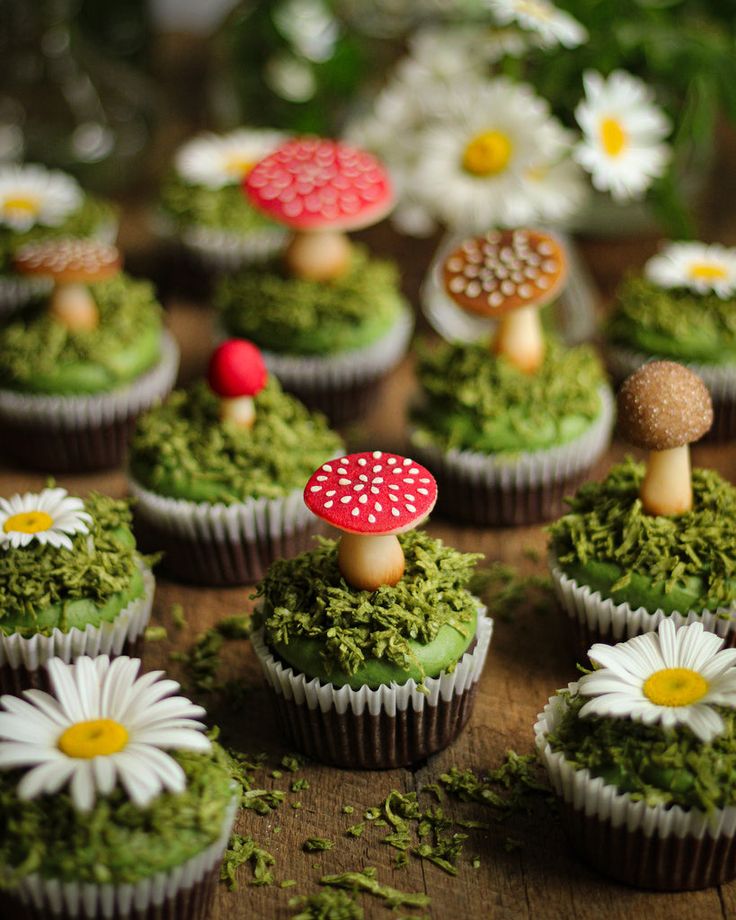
pixel 373 645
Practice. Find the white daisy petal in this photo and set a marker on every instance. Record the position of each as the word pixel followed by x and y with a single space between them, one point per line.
pixel 178 738
pixel 141 784
pixel 699 267
pixel 166 768
pixel 172 708
pixel 32 195
pixel 46 704
pixel 551 25
pixel 23 754
pixel 104 773
pixel 46 778
pixel 214 161
pixel 705 722
pixel 46 517
pixel 65 690
pixel 82 787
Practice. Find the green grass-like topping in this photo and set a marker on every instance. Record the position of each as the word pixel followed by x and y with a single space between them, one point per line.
pixel 224 208
pixel 116 842
pixel 292 315
pixel 478 401
pixel 674 323
pixel 39 354
pixel 690 557
pixel 658 766
pixel 308 597
pixel 182 449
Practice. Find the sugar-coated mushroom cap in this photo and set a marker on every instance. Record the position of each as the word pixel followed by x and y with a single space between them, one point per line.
pixel 372 493
pixel 237 369
pixel 664 405
pixel 504 270
pixel 69 261
pixel 311 184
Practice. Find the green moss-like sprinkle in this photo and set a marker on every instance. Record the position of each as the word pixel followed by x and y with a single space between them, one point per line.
pixel 224 208
pixel 478 401
pixel 327 905
pixel 178 616
pixel 155 634
pixel 291 315
pixel 367 881
pixel 243 850
pixel 182 449
pixel 317 845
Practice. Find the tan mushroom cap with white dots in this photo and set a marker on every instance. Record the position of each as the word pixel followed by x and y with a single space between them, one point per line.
pixel 504 270
pixel 69 261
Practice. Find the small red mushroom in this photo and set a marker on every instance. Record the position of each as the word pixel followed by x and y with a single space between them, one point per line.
pixel 320 188
pixel 237 373
pixel 371 497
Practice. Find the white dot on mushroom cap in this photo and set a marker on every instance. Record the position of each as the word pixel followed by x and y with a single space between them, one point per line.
pixel 407 461
pixel 375 491
pixel 549 265
pixel 422 491
pixel 363 499
pixel 329 504
pixel 395 512
pixel 342 470
pixel 495 299
pixel 543 283
pixel 517 277
pixel 409 480
pixel 409 498
pixel 456 285
pixel 525 291
pixel 359 487
pixel 377 454
pixel 363 477
pixel 394 498
pixel 377 468
pixel 533 258
pixel 327 467
pixel 531 273
pixel 471 271
pixel 508 288
pixel 316 489
pixel 473 289
pixel 355 512
pixel 545 248
pixel 343 482
pixel 346 499
pixel 397 470
pixel 371 519
pixel 455 265
pixel 362 461
pixel 411 509
pixel 394 486
pixel 378 506
pixel 330 492
pixel 322 479
pixel 391 461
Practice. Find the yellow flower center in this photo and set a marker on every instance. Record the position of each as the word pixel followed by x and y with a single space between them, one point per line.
pixel 488 153
pixel 96 738
pixel 706 271
pixel 28 522
pixel 22 204
pixel 534 9
pixel 613 136
pixel 236 165
pixel 675 687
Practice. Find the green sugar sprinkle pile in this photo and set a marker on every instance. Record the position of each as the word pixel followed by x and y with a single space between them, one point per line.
pixel 308 597
pixel 330 904
pixel 243 850
pixel 202 661
pixel 182 449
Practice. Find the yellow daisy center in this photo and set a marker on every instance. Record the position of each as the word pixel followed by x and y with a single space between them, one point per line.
pixel 706 271
pixel 237 165
pixel 613 136
pixel 488 153
pixel 28 522
pixel 22 204
pixel 95 738
pixel 675 687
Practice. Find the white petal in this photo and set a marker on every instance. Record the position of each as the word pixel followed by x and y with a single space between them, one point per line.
pixel 46 778
pixel 173 708
pixel 65 689
pixel 117 687
pixel 138 781
pixel 82 788
pixel 88 687
pixel 32 727
pixel 104 773
pixel 17 754
pixel 179 739
pixel 163 765
pixel 49 706
pixel 705 722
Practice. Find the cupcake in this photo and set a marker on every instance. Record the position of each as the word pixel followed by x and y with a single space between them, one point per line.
pixel 510 430
pixel 113 802
pixel 71 583
pixel 372 645
pixel 651 541
pixel 38 204
pixel 683 308
pixel 78 368
pixel 330 319
pixel 641 754
pixel 203 206
pixel 217 472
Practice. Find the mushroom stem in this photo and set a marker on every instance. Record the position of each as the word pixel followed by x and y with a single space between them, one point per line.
pixel 519 339
pixel 368 561
pixel 240 411
pixel 667 485
pixel 73 306
pixel 318 255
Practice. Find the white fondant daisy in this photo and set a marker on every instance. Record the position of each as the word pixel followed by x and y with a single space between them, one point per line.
pixel 702 267
pixel 47 517
pixel 217 160
pixel 101 726
pixel 31 195
pixel 551 25
pixel 672 677
pixel 623 134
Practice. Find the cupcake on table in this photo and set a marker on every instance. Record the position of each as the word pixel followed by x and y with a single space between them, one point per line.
pixel 509 429
pixel 77 370
pixel 330 318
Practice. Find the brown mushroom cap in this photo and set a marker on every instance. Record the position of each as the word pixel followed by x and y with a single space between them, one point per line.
pixel 504 270
pixel 664 405
pixel 69 261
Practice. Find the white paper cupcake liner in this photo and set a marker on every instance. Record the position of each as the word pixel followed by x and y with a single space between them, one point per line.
pixel 719 378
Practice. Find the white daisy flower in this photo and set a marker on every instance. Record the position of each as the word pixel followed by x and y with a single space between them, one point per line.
pixel 217 160
pixel 551 25
pixel 623 130
pixel 31 195
pixel 672 677
pixel 102 726
pixel 47 517
pixel 702 267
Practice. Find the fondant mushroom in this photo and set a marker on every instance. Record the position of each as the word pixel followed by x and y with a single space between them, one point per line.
pixel 320 188
pixel 237 373
pixel 371 497
pixel 664 407
pixel 72 265
pixel 509 275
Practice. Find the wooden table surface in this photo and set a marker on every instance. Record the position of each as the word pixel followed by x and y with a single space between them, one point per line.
pixel 529 658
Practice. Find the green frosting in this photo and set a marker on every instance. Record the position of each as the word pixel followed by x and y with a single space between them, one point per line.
pixel 686 562
pixel 674 323
pixel 182 449
pixel 87 220
pixel 654 765
pixel 478 401
pixel 295 316
pixel 414 629
pixel 224 208
pixel 116 842
pixel 43 587
pixel 40 355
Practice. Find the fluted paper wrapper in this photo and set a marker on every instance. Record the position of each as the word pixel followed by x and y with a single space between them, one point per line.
pixel 664 847
pixel 23 658
pixel 394 725
pixel 185 892
pixel 522 488
pixel 79 433
pixel 599 619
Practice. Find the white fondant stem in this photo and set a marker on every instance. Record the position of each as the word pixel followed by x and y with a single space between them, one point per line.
pixel 239 410
pixel 667 486
pixel 73 306
pixel 368 561
pixel 318 255
pixel 519 339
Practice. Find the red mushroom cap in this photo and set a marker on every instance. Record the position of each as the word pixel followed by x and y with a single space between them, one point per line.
pixel 372 493
pixel 237 369
pixel 313 184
